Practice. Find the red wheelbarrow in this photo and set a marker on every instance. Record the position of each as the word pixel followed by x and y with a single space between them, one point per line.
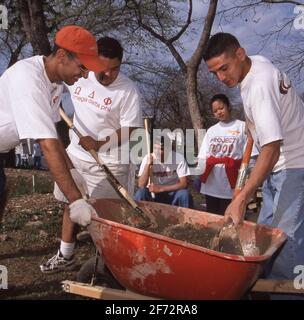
pixel 158 266
pixel 155 265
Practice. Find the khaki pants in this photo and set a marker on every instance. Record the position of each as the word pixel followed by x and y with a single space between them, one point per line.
pixel 96 179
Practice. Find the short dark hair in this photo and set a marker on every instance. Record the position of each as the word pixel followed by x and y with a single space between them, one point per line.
pixel 55 49
pixel 70 54
pixel 110 48
pixel 220 43
pixel 221 97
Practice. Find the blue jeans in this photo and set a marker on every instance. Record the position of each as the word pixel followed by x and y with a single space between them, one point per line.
pixel 37 162
pixel 180 198
pixel 283 207
pixel 18 160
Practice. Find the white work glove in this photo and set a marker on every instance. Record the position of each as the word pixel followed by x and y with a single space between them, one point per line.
pixel 80 182
pixel 81 212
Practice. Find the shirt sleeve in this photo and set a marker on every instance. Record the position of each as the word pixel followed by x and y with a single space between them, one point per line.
pixel 31 106
pixel 266 111
pixel 131 111
pixel 182 168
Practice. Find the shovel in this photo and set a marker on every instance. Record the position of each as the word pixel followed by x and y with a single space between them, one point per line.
pixel 148 142
pixel 146 218
pixel 227 240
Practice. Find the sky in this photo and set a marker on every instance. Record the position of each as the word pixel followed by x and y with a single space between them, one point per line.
pixel 250 27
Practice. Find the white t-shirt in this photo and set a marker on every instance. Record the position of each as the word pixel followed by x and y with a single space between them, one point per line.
pixel 222 140
pixel 167 173
pixel 28 103
pixel 273 115
pixel 100 111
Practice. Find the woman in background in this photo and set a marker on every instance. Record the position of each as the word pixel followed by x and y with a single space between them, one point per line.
pixel 220 156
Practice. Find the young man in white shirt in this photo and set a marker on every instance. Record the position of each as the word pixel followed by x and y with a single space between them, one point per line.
pixel 275 117
pixel 164 173
pixel 30 92
pixel 107 109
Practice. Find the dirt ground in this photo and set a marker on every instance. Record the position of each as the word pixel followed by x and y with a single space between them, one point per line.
pixel 29 234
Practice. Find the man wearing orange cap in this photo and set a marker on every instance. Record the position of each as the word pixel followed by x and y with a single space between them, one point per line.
pixel 30 93
pixel 107 108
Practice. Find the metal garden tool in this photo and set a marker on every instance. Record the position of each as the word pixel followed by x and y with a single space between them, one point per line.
pixel 227 239
pixel 141 218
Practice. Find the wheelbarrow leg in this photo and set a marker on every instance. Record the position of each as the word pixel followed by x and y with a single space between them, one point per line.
pixel 93 279
pixel 94 271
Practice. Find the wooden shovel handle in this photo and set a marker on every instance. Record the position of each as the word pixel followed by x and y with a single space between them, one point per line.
pixel 244 167
pixel 111 178
pixel 248 151
pixel 146 121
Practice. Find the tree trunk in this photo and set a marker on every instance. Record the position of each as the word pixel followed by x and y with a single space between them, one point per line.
pixel 192 67
pixel 193 104
pixel 34 25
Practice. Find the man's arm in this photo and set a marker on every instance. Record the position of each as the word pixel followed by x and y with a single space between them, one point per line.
pixel 143 179
pixel 64 154
pixel 181 184
pixel 59 165
pixel 266 160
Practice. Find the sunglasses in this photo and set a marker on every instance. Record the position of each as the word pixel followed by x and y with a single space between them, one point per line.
pixel 81 67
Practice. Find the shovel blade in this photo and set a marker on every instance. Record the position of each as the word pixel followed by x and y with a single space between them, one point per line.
pixel 228 240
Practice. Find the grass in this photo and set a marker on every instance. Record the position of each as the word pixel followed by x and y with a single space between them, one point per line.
pixel 28 185
pixel 52 222
pixel 13 224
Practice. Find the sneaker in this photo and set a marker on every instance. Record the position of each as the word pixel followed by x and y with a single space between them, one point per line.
pixel 58 263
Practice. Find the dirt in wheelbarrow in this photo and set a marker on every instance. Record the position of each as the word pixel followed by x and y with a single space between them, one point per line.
pixel 204 236
pixel 194 234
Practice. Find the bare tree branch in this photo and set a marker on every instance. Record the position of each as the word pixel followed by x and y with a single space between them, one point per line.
pixel 283 1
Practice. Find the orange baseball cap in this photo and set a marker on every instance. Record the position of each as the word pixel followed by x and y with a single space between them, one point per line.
pixel 82 43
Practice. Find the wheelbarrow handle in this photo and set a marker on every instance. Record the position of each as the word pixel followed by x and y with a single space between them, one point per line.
pixel 111 178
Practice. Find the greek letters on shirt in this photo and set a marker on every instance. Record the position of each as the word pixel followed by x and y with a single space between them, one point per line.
pixel 90 98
